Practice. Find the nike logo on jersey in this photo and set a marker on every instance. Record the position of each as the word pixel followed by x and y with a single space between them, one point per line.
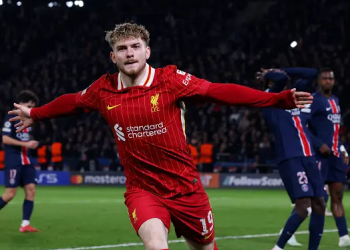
pixel 329 108
pixel 112 107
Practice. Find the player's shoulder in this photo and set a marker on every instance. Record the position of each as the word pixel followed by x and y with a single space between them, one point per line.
pixel 97 84
pixel 7 125
pixel 336 98
pixel 104 79
pixel 317 96
pixel 170 70
pixel 8 117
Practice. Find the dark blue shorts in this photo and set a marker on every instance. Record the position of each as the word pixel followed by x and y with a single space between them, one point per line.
pixel 301 177
pixel 19 175
pixel 332 169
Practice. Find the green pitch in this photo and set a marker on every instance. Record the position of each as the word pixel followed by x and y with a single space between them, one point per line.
pixel 75 217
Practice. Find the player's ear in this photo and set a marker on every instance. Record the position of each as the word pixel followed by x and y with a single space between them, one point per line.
pixel 111 54
pixel 148 52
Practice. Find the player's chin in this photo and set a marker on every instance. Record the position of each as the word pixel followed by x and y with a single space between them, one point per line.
pixel 132 71
pixel 328 87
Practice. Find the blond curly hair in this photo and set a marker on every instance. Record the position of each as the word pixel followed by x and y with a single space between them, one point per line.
pixel 127 30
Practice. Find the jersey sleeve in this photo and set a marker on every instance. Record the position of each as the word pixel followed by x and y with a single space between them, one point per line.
pixel 88 98
pixel 279 80
pixel 310 109
pixel 8 127
pixel 316 142
pixel 68 104
pixel 186 85
pixel 308 112
pixel 268 112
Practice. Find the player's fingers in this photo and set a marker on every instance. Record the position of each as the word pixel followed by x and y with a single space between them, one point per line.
pixel 13 112
pixel 304 98
pixel 303 102
pixel 23 127
pixel 18 124
pixel 14 119
pixel 20 129
pixel 303 94
pixel 17 105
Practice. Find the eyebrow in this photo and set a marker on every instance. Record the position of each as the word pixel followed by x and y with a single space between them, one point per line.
pixel 123 46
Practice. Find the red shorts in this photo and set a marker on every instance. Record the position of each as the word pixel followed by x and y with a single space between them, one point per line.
pixel 191 214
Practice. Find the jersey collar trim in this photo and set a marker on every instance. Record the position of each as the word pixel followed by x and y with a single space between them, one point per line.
pixel 146 80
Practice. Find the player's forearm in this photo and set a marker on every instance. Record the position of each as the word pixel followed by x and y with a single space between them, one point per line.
pixel 234 94
pixel 316 142
pixel 12 142
pixel 303 85
pixel 306 73
pixel 279 80
pixel 61 106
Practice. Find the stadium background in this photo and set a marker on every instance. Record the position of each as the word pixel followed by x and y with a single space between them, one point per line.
pixel 58 47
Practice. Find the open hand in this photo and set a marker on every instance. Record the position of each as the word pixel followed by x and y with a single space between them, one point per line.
pixel 23 116
pixel 32 144
pixel 301 98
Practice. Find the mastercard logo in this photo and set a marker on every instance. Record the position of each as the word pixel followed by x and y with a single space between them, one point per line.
pixel 76 179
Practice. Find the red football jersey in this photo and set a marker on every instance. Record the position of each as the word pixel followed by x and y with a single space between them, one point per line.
pixel 148 126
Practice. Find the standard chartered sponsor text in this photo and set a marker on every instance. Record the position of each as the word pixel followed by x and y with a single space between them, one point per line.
pixel 146 131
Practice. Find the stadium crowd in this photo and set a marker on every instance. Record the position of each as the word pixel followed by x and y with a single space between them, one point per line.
pixel 59 50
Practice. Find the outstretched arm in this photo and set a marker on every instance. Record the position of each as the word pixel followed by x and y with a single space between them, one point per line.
pixel 185 85
pixel 64 105
pixel 307 76
pixel 233 94
pixel 305 73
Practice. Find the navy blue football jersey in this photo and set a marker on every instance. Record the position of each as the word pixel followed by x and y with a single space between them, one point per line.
pixel 323 116
pixel 15 155
pixel 292 139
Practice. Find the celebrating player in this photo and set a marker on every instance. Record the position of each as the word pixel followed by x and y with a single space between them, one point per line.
pixel 142 106
pixel 18 169
pixel 324 123
pixel 296 162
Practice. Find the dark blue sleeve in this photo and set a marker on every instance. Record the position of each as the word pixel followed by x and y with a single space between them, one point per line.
pixel 316 142
pixel 303 85
pixel 310 109
pixel 307 76
pixel 8 127
pixel 268 114
pixel 304 73
pixel 308 112
pixel 279 80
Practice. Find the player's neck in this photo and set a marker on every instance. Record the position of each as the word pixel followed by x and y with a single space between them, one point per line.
pixel 327 93
pixel 133 81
